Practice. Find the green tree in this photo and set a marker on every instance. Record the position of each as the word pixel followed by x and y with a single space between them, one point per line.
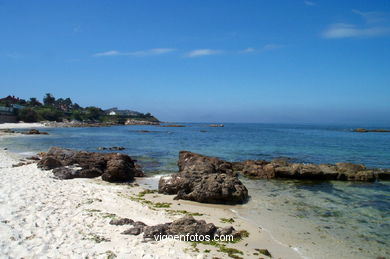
pixel 49 100
pixel 93 113
pixel 34 102
pixel 27 115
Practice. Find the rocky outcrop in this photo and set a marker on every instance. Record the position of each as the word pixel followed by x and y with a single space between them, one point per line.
pixel 139 122
pixel 362 130
pixel 282 169
pixel 111 148
pixel 68 164
pixel 185 226
pixel 204 179
pixel 35 132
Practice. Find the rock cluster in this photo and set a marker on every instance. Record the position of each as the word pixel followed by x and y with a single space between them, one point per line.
pixel 68 164
pixel 111 148
pixel 204 179
pixel 362 130
pixel 186 225
pixel 283 169
pixel 35 132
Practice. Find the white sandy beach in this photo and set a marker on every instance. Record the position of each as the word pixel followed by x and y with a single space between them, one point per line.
pixel 41 217
pixel 21 125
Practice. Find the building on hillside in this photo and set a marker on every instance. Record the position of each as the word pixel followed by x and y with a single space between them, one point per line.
pixel 116 111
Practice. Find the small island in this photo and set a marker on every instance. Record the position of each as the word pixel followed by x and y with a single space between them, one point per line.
pixel 362 130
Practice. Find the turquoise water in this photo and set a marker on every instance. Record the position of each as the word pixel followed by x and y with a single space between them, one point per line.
pixel 350 220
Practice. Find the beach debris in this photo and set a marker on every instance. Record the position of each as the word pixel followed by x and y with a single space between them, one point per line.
pixel 68 164
pixel 204 179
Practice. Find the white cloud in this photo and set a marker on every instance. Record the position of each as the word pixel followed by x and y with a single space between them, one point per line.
pixel 374 26
pixel 371 17
pixel 202 52
pixel 150 52
pixel 343 30
pixel 309 3
pixel 108 53
pixel 248 50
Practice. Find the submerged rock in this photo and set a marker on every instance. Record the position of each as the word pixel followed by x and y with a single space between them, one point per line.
pixel 70 164
pixel 204 179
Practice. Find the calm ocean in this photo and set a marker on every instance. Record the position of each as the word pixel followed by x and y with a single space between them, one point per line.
pixel 342 219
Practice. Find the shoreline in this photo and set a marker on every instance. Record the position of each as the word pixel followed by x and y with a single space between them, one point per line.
pixel 22 206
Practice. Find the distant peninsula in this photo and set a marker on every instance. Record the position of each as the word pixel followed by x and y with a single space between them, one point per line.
pixel 14 109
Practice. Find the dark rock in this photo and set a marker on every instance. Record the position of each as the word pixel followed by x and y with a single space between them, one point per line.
pixel 192 163
pixel 48 163
pixel 111 148
pixel 121 221
pixel 138 171
pixel 35 158
pixel 204 179
pixel 64 173
pixel 188 225
pixel 35 132
pixel 362 130
pixel 215 188
pixel 152 231
pixel 133 231
pixel 139 224
pixel 113 167
pixel 118 168
pixel 7 131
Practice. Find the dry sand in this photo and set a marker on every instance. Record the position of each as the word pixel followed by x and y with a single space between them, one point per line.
pixel 41 217
pixel 21 125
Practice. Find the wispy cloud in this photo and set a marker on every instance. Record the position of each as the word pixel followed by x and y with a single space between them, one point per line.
pixel 267 47
pixel 150 52
pixel 374 26
pixel 202 52
pixel 248 50
pixel 310 3
pixel 343 30
pixel 371 17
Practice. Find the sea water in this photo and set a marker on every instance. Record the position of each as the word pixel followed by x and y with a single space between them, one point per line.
pixel 329 219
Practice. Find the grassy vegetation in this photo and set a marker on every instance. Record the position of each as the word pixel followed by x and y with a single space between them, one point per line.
pixel 183 212
pixel 226 220
pixel 152 205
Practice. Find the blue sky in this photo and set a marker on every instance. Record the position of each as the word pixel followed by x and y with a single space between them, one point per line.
pixel 228 61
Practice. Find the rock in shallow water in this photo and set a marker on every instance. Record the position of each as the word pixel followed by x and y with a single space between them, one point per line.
pixel 204 179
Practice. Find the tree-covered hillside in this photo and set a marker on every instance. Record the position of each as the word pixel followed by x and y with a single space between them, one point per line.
pixel 52 109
